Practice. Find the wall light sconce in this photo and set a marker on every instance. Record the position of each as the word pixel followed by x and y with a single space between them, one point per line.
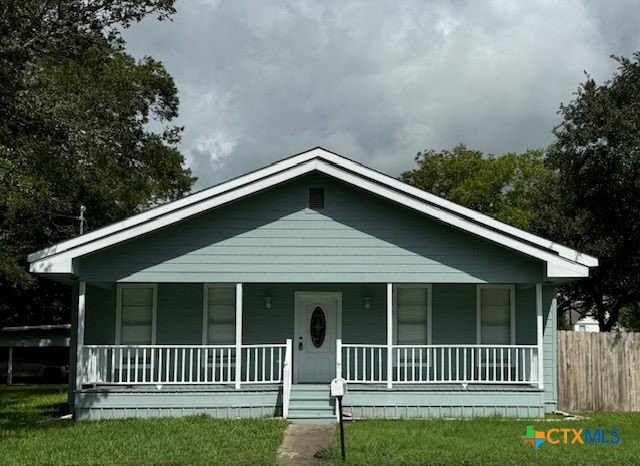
pixel 267 301
pixel 367 302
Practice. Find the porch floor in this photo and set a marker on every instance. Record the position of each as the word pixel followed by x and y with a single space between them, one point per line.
pixel 353 387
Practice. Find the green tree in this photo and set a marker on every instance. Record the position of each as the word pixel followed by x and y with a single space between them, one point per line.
pixel 75 110
pixel 630 317
pixel 503 186
pixel 595 206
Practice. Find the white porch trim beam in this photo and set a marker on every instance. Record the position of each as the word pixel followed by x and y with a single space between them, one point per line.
pixel 82 290
pixel 238 334
pixel 389 335
pixel 540 335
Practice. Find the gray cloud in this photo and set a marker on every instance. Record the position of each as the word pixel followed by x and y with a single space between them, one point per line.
pixel 376 80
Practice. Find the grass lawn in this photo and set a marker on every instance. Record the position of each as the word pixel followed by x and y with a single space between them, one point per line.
pixel 31 433
pixel 483 441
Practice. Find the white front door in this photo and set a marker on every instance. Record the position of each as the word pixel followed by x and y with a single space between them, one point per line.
pixel 317 328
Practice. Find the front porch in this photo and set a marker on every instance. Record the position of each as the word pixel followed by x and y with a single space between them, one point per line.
pixel 362 339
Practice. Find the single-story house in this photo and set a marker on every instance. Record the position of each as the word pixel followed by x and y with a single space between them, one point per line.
pixel 246 299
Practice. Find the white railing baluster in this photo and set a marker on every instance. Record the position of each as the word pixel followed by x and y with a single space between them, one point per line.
pixel 405 376
pixel 372 370
pixel 271 365
pixel 255 368
pixel 414 364
pixel 495 362
pixel 354 357
pixel 183 353
pixel 464 364
pixel 144 365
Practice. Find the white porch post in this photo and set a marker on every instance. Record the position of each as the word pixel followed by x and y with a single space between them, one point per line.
pixel 338 357
pixel 82 290
pixel 389 335
pixel 540 335
pixel 238 334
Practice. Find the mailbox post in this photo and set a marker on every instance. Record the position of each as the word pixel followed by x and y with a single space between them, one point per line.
pixel 338 390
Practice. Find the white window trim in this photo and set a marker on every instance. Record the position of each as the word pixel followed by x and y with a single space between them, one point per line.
pixel 205 307
pixel 512 310
pixel 154 307
pixel 426 286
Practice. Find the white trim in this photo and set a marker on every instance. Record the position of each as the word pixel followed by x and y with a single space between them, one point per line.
pixel 389 336
pixel 58 258
pixel 540 335
pixel 296 320
pixel 425 286
pixel 238 334
pixel 80 365
pixel 154 308
pixel 512 310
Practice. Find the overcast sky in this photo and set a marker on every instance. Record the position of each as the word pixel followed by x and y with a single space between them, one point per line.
pixel 376 81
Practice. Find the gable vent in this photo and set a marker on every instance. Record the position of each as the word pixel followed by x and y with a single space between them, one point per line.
pixel 316 198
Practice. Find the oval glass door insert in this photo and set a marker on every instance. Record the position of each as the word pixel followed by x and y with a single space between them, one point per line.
pixel 318 327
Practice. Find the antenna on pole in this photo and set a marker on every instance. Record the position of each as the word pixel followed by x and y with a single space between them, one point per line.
pixel 81 218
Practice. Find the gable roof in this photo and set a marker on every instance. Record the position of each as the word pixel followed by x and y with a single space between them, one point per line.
pixel 562 262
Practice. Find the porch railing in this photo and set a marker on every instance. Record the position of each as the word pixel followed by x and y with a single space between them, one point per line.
pixel 427 364
pixel 181 364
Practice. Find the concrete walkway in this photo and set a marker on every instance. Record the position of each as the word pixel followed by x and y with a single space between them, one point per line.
pixel 302 441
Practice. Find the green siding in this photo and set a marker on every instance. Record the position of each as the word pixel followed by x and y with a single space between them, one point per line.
pixel 275 325
pixel 453 314
pixel 449 404
pixel 273 237
pixel 179 314
pixel 526 315
pixel 119 404
pixel 100 315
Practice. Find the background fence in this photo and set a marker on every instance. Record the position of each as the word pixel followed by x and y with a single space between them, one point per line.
pixel 598 371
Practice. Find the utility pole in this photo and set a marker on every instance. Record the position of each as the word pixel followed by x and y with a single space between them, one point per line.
pixel 81 218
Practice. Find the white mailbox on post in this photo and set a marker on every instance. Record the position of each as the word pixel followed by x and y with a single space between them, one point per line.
pixel 338 387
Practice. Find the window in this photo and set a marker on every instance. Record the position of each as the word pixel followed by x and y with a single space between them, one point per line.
pixel 316 198
pixel 413 315
pixel 496 314
pixel 219 315
pixel 136 315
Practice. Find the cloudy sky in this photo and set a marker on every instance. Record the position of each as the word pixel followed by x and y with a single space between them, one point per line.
pixel 376 81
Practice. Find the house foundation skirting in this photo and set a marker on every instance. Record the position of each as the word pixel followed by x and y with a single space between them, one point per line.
pixel 96 404
pixel 372 404
pixel 369 402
